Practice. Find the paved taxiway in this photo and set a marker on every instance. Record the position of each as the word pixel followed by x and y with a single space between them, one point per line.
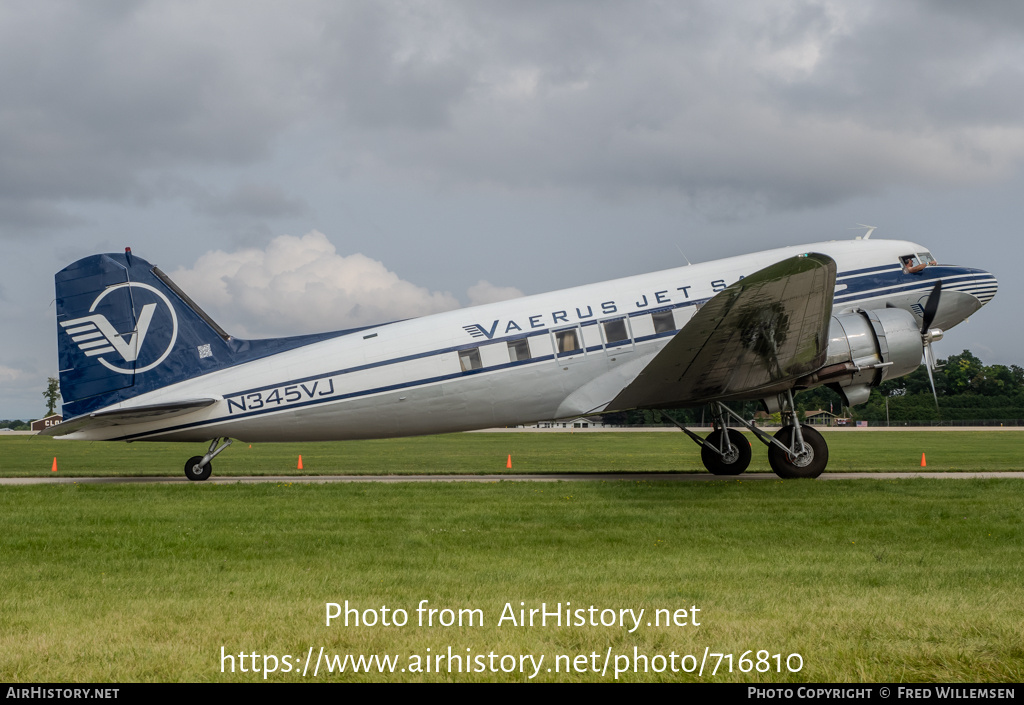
pixel 575 477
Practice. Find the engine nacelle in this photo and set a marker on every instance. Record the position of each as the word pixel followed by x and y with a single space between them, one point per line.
pixel 865 348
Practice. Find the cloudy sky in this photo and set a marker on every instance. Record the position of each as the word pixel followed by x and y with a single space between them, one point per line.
pixel 310 165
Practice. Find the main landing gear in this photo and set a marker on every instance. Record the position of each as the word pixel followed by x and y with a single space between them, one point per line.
pixel 198 468
pixel 725 452
pixel 796 451
pixel 790 463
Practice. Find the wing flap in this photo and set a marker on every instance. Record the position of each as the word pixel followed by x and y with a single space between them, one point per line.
pixel 752 339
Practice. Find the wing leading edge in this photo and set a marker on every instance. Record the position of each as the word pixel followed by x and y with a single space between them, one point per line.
pixel 750 341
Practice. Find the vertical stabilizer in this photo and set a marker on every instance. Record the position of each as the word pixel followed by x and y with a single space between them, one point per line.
pixel 124 329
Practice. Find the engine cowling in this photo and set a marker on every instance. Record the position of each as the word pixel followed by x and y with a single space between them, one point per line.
pixel 866 348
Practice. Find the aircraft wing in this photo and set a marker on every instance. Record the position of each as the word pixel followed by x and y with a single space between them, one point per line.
pixel 118 417
pixel 751 340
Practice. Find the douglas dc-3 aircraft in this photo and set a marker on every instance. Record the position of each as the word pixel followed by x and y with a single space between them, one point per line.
pixel 140 361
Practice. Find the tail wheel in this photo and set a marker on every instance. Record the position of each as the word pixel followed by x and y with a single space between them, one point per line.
pixel 808 464
pixel 734 461
pixel 195 471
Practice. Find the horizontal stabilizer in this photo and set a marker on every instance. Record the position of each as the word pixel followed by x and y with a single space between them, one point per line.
pixel 752 339
pixel 136 414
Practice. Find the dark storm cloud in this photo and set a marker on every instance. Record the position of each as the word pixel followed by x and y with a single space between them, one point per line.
pixel 95 95
pixel 789 105
pixel 377 76
pixel 733 108
pixel 25 216
pixel 912 66
pixel 252 199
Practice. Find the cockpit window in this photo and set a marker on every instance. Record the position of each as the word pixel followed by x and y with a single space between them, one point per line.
pixel 912 264
pixel 926 258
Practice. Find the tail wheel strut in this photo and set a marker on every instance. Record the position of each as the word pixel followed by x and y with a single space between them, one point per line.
pixel 199 467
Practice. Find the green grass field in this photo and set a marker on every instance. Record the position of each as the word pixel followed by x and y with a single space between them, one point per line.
pixel 908 580
pixel 28 456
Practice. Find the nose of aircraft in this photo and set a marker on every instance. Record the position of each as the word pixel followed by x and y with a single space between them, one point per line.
pixel 983 285
pixel 964 291
pixel 978 283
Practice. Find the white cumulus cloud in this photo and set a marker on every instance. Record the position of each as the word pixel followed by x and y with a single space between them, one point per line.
pixel 302 285
pixel 9 374
pixel 483 292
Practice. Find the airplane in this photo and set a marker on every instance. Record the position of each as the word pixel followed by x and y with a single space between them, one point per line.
pixel 140 361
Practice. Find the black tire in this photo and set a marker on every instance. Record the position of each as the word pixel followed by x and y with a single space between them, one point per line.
pixel 194 472
pixel 732 465
pixel 807 467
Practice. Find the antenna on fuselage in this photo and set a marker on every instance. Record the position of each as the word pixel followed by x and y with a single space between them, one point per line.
pixel 867 235
pixel 681 252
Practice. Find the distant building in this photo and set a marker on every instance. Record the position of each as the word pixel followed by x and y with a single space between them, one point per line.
pixel 820 417
pixel 581 422
pixel 43 424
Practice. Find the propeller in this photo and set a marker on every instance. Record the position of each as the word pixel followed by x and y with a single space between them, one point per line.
pixel 931 307
pixel 930 335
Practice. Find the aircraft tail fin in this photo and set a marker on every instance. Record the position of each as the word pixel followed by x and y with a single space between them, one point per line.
pixel 124 328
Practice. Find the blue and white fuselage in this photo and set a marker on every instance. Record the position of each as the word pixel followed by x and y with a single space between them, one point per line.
pixel 548 356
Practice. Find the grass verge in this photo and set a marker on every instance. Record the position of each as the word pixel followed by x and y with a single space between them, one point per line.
pixel 909 580
pixel 32 456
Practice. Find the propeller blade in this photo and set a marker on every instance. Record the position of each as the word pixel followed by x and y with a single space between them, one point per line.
pixel 929 362
pixel 931 307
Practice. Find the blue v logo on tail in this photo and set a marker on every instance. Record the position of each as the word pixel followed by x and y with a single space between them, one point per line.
pixel 95 335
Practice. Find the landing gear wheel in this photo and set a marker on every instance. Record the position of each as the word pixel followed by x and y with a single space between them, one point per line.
pixel 808 464
pixel 194 472
pixel 733 462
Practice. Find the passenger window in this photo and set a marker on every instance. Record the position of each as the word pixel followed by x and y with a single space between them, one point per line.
pixel 568 341
pixel 664 321
pixel 615 331
pixel 518 350
pixel 470 359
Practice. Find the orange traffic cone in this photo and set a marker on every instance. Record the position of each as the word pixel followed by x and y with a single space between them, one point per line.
pixel 923 463
pixel 300 462
pixel 54 468
pixel 508 464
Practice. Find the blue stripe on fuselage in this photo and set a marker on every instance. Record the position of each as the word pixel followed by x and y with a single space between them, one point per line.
pixel 880 282
pixel 861 285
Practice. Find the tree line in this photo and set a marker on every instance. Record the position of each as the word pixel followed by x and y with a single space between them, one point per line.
pixel 967 390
